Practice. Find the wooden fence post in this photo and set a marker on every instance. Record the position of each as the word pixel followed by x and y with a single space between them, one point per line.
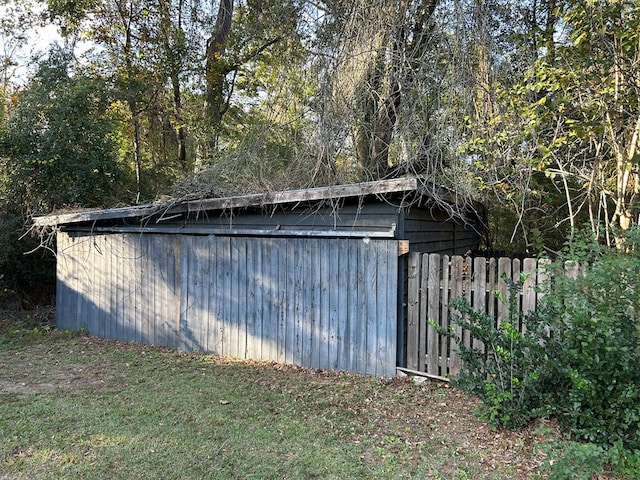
pixel 413 309
pixel 444 315
pixel 433 310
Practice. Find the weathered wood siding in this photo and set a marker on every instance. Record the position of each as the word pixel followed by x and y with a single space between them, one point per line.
pixel 321 303
pixel 433 231
pixel 362 217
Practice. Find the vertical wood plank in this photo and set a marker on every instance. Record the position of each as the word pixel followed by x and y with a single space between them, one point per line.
pixel 433 312
pixel 492 285
pixel 207 314
pixel 205 261
pixel 140 299
pixel 456 292
pixel 324 315
pixel 335 305
pixel 528 289
pixel 243 295
pixel 252 342
pixel 282 301
pixel 467 266
pixel 383 290
pixel 344 288
pixel 157 265
pixel 504 268
pixel 271 275
pixel 151 263
pixel 390 317
pixel 298 271
pixel 445 351
pixel 129 313
pixel 371 261
pixel 91 286
pixel 175 293
pixel 226 321
pixel 77 282
pixel 260 325
pixel 423 315
pixel 119 293
pixel 97 268
pixel 413 309
pixel 139 285
pixel 125 305
pixel 308 319
pixel 290 302
pixel 235 298
pixel 479 302
pixel 353 290
pixel 161 269
pixel 318 344
pixel 185 270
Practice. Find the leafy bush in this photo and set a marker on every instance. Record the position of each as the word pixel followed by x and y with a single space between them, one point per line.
pixel 571 460
pixel 578 359
pixel 504 372
pixel 592 379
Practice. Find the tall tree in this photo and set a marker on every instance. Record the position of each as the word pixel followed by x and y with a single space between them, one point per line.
pixel 59 148
pixel 217 66
pixel 17 18
pixel 584 99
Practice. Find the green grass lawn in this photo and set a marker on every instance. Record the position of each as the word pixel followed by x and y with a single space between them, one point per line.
pixel 72 406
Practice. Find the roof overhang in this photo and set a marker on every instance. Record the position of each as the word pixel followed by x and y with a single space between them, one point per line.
pixel 167 210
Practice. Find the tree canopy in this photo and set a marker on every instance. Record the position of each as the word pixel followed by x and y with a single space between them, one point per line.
pixel 531 108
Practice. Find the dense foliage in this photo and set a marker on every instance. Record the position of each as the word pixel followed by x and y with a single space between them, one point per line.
pixel 577 359
pixel 58 150
pixel 487 98
pixel 592 378
pixel 505 370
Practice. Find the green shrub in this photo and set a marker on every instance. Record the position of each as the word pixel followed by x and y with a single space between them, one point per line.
pixel 592 376
pixel 578 359
pixel 504 372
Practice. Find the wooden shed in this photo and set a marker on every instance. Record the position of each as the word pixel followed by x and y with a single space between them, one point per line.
pixel 312 277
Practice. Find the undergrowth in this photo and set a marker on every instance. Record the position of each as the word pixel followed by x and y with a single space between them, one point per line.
pixel 576 361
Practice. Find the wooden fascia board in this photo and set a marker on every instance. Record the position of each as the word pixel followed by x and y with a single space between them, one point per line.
pixel 113 213
pixel 240 201
pixel 306 195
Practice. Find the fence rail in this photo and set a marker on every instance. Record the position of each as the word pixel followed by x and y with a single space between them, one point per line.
pixel 434 280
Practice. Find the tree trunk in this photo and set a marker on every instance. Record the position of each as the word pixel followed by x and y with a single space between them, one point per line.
pixel 216 68
pixel 393 72
pixel 175 66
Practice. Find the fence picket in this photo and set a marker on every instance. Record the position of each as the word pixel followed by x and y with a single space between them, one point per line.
pixel 444 315
pixel 433 309
pixel 455 292
pixel 413 313
pixel 435 280
pixel 425 314
pixel 479 291
pixel 467 265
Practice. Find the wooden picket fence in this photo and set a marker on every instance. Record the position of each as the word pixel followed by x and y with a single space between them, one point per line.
pixel 434 280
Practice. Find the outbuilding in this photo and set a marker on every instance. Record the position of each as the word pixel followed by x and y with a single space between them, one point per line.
pixel 312 277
